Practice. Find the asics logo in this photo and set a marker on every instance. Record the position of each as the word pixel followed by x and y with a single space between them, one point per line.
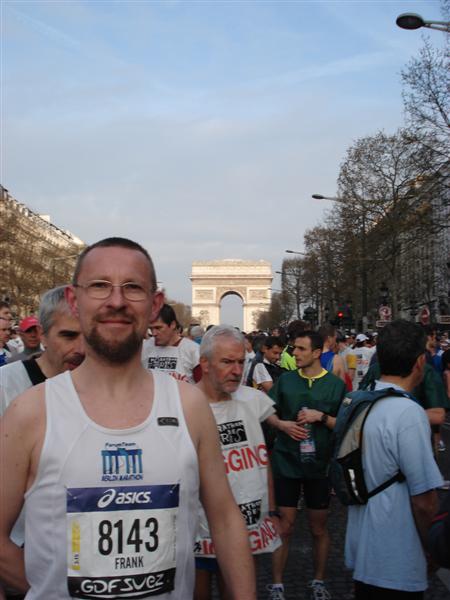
pixel 111 496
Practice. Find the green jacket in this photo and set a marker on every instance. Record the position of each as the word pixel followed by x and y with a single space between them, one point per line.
pixel 291 393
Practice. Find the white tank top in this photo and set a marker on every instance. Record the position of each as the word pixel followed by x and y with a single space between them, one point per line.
pixel 112 513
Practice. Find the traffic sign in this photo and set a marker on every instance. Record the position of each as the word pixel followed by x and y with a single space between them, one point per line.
pixel 382 322
pixel 424 315
pixel 385 313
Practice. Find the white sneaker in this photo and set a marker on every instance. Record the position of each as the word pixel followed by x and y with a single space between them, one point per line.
pixel 319 591
pixel 275 593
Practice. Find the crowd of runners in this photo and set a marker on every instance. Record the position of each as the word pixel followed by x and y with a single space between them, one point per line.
pixel 138 460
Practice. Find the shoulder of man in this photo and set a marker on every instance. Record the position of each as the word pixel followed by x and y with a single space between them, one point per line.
pixel 258 402
pixel 187 345
pixel 14 379
pixel 11 369
pixel 28 408
pixel 331 378
pixel 193 400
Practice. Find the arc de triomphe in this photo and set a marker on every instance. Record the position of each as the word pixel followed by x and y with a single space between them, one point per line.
pixel 214 279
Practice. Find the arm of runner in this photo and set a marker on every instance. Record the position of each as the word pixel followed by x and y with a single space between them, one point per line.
pixel 338 367
pixel 351 365
pixel 311 415
pixel 227 526
pixel 436 416
pixel 424 507
pixel 266 386
pixel 262 378
pixel 21 427
pixel 290 428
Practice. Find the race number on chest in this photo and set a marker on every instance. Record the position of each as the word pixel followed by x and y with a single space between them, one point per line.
pixel 121 541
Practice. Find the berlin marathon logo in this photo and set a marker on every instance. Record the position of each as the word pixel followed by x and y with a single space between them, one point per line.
pixel 121 461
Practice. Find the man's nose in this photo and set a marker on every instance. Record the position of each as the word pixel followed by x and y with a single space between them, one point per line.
pixel 78 347
pixel 237 368
pixel 116 298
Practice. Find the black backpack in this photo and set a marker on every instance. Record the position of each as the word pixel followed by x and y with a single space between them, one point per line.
pixel 346 468
pixel 274 370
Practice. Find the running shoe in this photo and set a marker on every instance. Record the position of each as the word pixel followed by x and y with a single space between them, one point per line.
pixel 441 446
pixel 319 591
pixel 275 593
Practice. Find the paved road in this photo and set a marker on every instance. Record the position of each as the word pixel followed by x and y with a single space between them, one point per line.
pixel 339 581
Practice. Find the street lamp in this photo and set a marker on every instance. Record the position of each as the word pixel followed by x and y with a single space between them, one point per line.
pixel 415 21
pixel 320 197
pixel 363 260
pixel 295 252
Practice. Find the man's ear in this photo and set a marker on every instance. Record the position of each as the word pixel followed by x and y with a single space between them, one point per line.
pixel 419 366
pixel 157 302
pixel 421 360
pixel 71 300
pixel 317 353
pixel 204 364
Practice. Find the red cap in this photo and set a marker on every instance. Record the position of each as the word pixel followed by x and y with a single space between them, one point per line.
pixel 28 323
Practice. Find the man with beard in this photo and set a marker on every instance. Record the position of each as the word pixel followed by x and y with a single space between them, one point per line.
pixel 239 412
pixel 111 496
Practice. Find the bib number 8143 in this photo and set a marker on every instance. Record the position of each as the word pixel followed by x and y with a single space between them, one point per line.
pixel 113 536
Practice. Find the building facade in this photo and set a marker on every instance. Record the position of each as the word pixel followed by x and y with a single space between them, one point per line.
pixel 36 255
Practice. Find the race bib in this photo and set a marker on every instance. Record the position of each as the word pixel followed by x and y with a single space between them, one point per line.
pixel 121 541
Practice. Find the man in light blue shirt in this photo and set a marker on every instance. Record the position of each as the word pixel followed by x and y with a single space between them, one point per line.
pixel 384 541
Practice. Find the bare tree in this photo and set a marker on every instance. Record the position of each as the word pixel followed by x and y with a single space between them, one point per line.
pixel 387 183
pixel 275 316
pixel 426 95
pixel 293 288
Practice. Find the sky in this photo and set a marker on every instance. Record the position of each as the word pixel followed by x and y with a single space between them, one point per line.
pixel 198 129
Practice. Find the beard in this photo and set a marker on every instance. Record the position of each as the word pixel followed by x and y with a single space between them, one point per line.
pixel 114 351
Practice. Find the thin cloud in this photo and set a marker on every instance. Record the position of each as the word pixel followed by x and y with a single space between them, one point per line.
pixel 48 31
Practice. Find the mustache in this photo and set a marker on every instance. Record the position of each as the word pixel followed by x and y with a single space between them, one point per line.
pixel 114 314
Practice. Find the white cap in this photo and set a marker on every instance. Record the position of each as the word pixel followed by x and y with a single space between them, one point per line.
pixel 361 337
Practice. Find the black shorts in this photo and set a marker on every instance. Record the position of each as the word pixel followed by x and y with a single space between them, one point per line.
pixel 317 492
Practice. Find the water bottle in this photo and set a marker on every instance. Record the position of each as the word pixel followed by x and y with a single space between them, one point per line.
pixel 308 445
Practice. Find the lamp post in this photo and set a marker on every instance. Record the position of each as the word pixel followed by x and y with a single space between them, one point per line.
pixel 415 21
pixel 363 260
pixel 296 252
pixel 291 282
pixel 413 310
pixel 384 293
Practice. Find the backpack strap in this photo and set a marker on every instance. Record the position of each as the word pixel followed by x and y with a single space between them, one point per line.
pixel 398 477
pixel 33 370
pixel 253 364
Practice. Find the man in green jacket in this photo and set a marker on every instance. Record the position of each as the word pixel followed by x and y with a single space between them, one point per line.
pixel 307 401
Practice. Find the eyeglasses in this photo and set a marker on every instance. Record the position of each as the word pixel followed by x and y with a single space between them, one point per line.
pixel 101 290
